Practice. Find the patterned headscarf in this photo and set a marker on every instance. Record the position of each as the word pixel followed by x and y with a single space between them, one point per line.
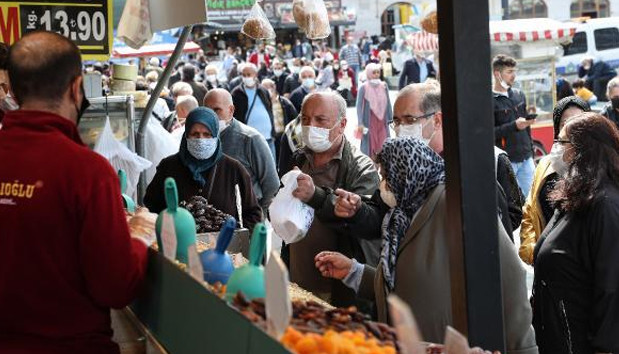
pixel 562 106
pixel 209 119
pixel 412 170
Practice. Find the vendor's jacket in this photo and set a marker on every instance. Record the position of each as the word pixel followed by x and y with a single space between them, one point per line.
pixel 422 279
pixel 533 221
pixel 66 255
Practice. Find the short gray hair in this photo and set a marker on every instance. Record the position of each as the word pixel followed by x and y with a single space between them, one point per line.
pixel 308 69
pixel 339 101
pixel 244 66
pixel 187 102
pixel 181 89
pixel 429 94
pixel 613 83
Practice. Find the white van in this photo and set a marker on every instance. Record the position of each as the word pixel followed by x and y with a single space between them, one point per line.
pixel 598 38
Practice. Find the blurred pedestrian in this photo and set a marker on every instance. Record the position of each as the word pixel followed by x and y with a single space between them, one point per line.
pixel 347 85
pixel 583 92
pixel 279 76
pixel 416 70
pixel 212 78
pixel 373 111
pixel 259 57
pixel 575 297
pixel 351 53
pixel 325 77
pixel 611 111
pixel 292 81
pixel 253 104
pixel 283 112
pixel 596 73
pixel 307 77
pixel 199 90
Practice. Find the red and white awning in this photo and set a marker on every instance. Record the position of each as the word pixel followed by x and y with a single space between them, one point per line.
pixel 423 41
pixel 532 30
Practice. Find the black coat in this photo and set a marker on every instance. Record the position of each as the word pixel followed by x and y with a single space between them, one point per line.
pixel 611 114
pixel 279 82
pixel 291 83
pixel 297 96
pixel 510 198
pixel 218 84
pixel 575 297
pixel 517 143
pixel 290 113
pixel 410 73
pixel 241 104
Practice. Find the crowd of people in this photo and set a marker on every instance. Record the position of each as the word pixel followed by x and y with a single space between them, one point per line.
pixel 380 222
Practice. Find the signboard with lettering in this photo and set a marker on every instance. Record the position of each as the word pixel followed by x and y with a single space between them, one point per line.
pixel 88 23
pixel 228 10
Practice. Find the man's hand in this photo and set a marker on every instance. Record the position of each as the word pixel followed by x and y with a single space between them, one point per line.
pixel 333 264
pixel 523 123
pixel 347 204
pixel 305 188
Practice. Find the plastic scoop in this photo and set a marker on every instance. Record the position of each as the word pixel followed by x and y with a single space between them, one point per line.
pixel 217 263
pixel 127 201
pixel 184 224
pixel 249 279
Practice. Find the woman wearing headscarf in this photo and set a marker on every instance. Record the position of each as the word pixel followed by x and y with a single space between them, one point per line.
pixel 200 168
pixel 575 297
pixel 414 257
pixel 373 111
pixel 537 209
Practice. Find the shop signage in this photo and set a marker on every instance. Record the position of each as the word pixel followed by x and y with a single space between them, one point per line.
pixel 88 23
pixel 228 10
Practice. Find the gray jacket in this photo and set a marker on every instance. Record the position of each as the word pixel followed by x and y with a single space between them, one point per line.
pixel 248 146
pixel 422 279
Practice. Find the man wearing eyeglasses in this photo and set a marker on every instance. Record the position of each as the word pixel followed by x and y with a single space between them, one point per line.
pixel 512 124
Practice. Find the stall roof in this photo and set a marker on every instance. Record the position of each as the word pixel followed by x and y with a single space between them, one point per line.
pixel 162 44
pixel 532 30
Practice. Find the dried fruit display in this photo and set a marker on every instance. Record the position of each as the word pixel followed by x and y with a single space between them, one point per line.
pixel 332 342
pixel 207 217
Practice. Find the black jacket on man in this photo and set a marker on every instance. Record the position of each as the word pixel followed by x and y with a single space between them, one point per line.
pixel 199 91
pixel 291 83
pixel 279 82
pixel 517 143
pixel 410 73
pixel 611 114
pixel 241 104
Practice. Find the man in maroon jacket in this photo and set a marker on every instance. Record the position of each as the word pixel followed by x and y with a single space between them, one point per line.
pixel 66 256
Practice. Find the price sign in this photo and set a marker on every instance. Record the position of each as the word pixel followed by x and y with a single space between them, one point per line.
pixel 88 23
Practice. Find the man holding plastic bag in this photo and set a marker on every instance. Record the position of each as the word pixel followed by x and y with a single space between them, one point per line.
pixel 327 162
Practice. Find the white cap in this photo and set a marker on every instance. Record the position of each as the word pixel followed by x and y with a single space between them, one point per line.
pixel 154 61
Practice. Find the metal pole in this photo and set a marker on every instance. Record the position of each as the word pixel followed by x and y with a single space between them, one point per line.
pixel 163 79
pixel 468 128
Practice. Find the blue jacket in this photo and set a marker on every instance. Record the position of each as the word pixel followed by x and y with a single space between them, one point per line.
pixel 410 73
pixel 599 71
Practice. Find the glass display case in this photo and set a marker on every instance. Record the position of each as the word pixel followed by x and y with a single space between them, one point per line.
pixel 121 111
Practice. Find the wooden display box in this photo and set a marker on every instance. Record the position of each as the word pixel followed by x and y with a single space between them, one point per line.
pixel 187 318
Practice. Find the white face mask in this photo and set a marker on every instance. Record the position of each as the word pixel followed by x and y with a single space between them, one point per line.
pixel 249 81
pixel 414 130
pixel 556 160
pixel 308 83
pixel 386 195
pixel 295 69
pixel 202 148
pixel 278 73
pixel 503 84
pixel 211 78
pixel 374 81
pixel 317 139
pixel 223 125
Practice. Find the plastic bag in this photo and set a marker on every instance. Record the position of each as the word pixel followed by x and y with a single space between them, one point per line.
pixel 134 26
pixel 257 25
pixel 316 19
pixel 120 157
pixel 159 144
pixel 290 217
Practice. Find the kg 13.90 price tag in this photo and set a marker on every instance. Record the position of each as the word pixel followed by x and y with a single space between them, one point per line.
pixel 86 23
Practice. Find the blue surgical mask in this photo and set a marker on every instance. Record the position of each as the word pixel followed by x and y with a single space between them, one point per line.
pixel 308 83
pixel 202 148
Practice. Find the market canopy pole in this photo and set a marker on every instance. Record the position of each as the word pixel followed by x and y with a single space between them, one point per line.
pixel 471 193
pixel 163 79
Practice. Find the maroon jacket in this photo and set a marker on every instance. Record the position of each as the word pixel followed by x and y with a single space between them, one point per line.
pixel 66 256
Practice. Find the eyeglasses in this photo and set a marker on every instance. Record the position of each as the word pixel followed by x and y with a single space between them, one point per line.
pixel 410 119
pixel 562 141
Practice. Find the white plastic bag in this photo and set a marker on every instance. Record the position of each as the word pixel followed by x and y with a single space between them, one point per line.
pixel 290 217
pixel 316 19
pixel 257 25
pixel 134 27
pixel 159 144
pixel 120 157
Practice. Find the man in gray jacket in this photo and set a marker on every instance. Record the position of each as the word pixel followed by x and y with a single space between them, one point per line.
pixel 246 145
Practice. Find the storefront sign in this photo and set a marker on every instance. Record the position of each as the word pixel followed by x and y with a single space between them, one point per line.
pixel 228 10
pixel 88 23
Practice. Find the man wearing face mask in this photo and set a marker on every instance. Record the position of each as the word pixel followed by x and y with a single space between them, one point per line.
pixel 279 76
pixel 283 112
pixel 65 239
pixel 253 105
pixel 512 126
pixel 212 78
pixel 611 111
pixel 417 113
pixel 328 161
pixel 292 80
pixel 307 78
pixel 246 145
pixel 201 168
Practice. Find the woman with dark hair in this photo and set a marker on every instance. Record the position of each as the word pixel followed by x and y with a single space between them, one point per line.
pixel 575 298
pixel 537 209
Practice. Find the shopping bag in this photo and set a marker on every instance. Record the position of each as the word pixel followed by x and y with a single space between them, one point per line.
pixel 134 27
pixel 159 144
pixel 316 19
pixel 290 217
pixel 120 157
pixel 257 25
